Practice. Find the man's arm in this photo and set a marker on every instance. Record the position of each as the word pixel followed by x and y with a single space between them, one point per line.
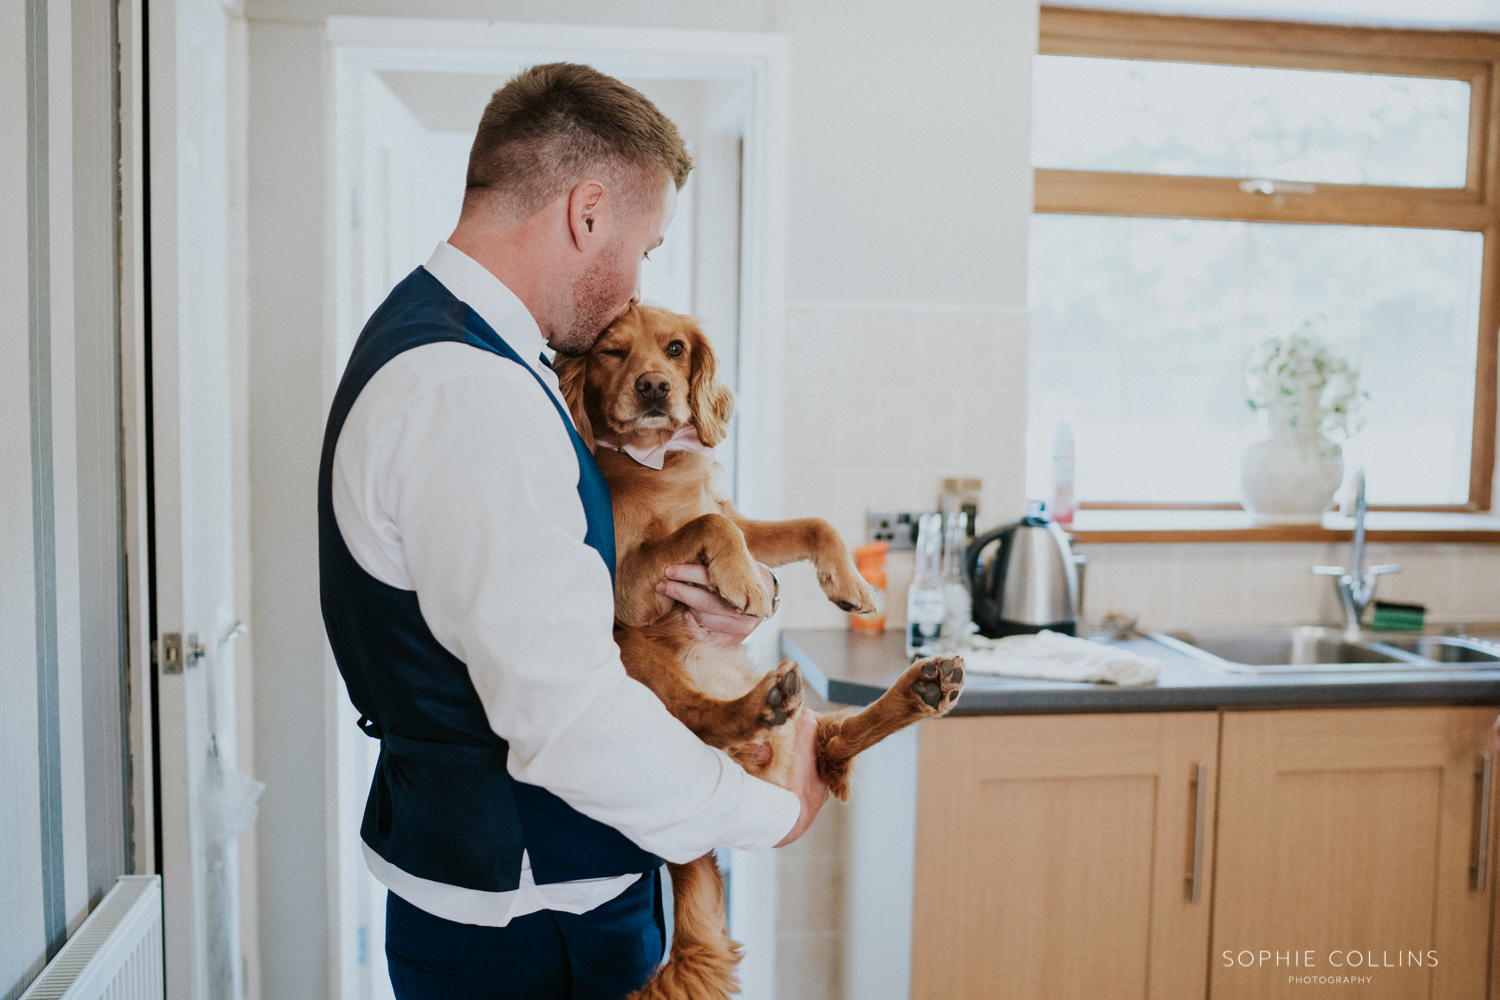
pixel 477 478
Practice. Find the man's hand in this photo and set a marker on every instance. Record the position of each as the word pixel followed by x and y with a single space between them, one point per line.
pixel 805 782
pixel 713 622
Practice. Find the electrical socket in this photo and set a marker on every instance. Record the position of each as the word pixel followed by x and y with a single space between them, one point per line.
pixel 898 527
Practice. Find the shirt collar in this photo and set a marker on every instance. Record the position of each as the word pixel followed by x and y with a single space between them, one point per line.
pixel 473 284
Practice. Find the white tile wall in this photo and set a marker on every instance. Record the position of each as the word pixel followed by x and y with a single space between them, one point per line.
pixel 1199 584
pixel 882 404
pixel 810 923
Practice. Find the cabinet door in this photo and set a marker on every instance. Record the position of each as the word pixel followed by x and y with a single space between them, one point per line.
pixel 1055 853
pixel 1347 848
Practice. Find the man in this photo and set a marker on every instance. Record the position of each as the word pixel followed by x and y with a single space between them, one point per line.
pixel 527 790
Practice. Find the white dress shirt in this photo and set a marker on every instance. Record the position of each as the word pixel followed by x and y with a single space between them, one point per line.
pixel 454 477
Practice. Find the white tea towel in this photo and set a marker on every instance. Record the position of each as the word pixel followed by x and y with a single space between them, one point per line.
pixel 1055 657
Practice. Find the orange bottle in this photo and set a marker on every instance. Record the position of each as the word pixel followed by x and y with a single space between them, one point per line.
pixel 870 561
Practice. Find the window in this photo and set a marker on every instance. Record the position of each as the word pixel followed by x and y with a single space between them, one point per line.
pixel 1202 185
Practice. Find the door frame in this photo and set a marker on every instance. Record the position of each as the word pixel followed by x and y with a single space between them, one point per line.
pixel 134 207
pixel 763 60
pixel 360 46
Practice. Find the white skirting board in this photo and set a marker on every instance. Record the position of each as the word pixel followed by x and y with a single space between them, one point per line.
pixel 116 954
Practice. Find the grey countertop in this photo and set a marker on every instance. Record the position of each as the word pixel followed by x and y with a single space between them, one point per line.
pixel 854 668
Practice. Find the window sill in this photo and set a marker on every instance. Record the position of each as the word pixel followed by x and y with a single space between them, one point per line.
pixel 1114 527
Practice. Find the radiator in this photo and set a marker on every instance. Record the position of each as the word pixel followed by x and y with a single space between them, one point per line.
pixel 116 954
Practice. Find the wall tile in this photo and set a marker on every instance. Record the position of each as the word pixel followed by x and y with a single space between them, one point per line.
pixel 830 426
pixel 1210 584
pixel 1429 576
pixel 1477 589
pixel 1136 580
pixel 853 347
pixel 1274 583
pixel 812 892
pixel 963 351
pixel 915 427
pixel 989 427
pixel 808 966
pixel 1280 585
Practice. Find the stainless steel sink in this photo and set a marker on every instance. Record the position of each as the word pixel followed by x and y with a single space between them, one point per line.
pixel 1304 649
pixel 1445 649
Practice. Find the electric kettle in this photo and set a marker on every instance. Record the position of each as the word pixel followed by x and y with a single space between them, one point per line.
pixel 1023 578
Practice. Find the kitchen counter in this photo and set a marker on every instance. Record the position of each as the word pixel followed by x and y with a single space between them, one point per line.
pixel 854 668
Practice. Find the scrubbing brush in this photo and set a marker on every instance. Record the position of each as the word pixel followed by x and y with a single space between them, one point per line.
pixel 1392 617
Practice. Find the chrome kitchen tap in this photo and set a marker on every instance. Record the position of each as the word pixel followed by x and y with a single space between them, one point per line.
pixel 1356 584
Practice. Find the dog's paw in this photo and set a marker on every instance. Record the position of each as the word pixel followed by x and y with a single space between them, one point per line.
pixel 937 683
pixel 742 588
pixel 848 590
pixel 781 694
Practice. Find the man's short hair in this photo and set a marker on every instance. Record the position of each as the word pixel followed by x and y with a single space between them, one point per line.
pixel 552 126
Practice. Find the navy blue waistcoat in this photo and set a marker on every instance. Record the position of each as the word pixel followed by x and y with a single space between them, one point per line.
pixel 442 806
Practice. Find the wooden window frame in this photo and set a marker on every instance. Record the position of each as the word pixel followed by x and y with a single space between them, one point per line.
pixel 1473 57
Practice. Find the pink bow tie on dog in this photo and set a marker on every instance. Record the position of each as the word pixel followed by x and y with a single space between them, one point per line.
pixel 685 439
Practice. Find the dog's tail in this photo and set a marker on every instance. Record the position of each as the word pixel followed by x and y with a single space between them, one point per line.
pixel 703 959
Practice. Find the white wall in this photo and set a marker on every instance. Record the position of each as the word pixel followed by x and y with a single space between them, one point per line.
pixel 911 176
pixel 907 325
pixel 290 378
pixel 1199 584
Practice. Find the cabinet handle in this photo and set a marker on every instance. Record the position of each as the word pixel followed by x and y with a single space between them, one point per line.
pixel 1195 877
pixel 1479 869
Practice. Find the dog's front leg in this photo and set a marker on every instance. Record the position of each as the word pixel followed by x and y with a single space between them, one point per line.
pixel 712 540
pixel 813 539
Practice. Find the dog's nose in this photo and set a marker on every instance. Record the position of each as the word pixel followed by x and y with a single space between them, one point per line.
pixel 653 386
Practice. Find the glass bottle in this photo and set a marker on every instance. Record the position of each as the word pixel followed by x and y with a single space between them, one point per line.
pixel 958 604
pixel 924 600
pixel 961 496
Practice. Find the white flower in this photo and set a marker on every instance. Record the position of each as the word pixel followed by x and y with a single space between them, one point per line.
pixel 1304 384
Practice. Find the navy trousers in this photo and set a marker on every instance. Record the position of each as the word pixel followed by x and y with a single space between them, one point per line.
pixel 603 954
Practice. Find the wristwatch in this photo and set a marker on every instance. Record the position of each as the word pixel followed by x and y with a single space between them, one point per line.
pixel 775 593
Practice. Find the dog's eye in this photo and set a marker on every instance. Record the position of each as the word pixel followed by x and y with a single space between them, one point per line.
pixel 675 349
pixel 614 352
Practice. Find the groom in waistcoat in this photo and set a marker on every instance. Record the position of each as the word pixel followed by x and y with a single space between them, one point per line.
pixel 527 790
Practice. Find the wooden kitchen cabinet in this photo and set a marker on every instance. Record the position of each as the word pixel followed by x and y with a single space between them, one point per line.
pixel 1054 856
pixel 1352 830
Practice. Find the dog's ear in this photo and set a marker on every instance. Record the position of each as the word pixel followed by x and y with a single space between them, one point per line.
pixel 711 402
pixel 571 373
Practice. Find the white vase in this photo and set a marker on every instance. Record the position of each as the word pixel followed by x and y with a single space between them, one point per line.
pixel 1286 479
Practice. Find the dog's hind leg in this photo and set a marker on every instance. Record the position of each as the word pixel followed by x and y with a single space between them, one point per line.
pixel 928 689
pixel 701 965
pixel 721 723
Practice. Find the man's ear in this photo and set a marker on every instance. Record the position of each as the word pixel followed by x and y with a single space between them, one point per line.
pixel 709 400
pixel 571 374
pixel 588 213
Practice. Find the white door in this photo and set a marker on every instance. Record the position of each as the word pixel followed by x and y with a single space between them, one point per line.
pixel 203 797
